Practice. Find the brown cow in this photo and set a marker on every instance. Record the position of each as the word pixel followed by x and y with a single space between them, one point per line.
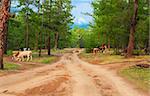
pixel 102 49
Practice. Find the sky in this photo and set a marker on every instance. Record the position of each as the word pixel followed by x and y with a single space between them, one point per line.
pixel 81 7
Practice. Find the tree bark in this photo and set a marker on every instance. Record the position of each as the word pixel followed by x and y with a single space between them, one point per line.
pixel 1 49
pixel 40 33
pixel 56 40
pixel 27 30
pixel 40 42
pixel 37 39
pixel 27 33
pixel 48 46
pixel 4 16
pixel 5 37
pixel 132 31
pixel 149 34
pixel 109 43
pixel 6 30
pixel 46 40
pixel 49 35
pixel 149 42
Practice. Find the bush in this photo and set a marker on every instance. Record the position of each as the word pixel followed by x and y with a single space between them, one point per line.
pixel 138 52
pixel 9 52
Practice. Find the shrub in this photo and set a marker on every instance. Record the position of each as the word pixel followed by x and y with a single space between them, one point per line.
pixel 138 52
pixel 9 52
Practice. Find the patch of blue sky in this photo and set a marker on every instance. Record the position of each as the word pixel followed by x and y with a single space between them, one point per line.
pixel 82 1
pixel 81 7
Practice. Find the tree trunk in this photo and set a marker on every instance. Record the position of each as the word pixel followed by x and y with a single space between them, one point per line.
pixel 27 33
pixel 49 35
pixel 132 31
pixel 36 42
pixel 46 41
pixel 1 49
pixel 48 45
pixel 5 37
pixel 148 49
pixel 40 42
pixel 40 33
pixel 108 44
pixel 4 16
pixel 56 40
pixel 149 43
pixel 6 30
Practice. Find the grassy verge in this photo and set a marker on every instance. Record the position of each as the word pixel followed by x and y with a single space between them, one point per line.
pixel 45 60
pixel 106 59
pixel 58 51
pixel 11 66
pixel 140 76
pixel 53 51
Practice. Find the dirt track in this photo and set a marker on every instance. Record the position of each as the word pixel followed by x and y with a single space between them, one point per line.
pixel 68 77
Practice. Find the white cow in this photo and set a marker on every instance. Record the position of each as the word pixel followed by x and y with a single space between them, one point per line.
pixel 23 54
pixel 95 50
pixel 15 54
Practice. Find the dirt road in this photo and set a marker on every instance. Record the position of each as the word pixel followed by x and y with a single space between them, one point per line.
pixel 68 77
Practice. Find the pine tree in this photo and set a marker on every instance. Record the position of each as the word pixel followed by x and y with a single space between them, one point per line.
pixel 57 18
pixel 132 30
pixel 4 16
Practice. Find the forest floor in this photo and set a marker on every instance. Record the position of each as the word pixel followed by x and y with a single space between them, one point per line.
pixel 70 76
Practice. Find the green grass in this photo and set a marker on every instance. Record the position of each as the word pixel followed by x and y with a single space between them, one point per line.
pixel 140 76
pixel 45 60
pixel 106 58
pixel 48 60
pixel 11 66
pixel 54 51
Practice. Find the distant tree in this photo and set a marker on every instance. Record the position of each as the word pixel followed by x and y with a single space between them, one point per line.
pixel 26 12
pixel 57 19
pixel 63 21
pixel 132 30
pixel 111 21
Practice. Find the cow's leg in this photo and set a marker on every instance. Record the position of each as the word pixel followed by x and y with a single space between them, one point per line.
pixel 19 58
pixel 31 57
pixel 93 51
pixel 22 58
pixel 102 50
pixel 98 51
pixel 27 57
